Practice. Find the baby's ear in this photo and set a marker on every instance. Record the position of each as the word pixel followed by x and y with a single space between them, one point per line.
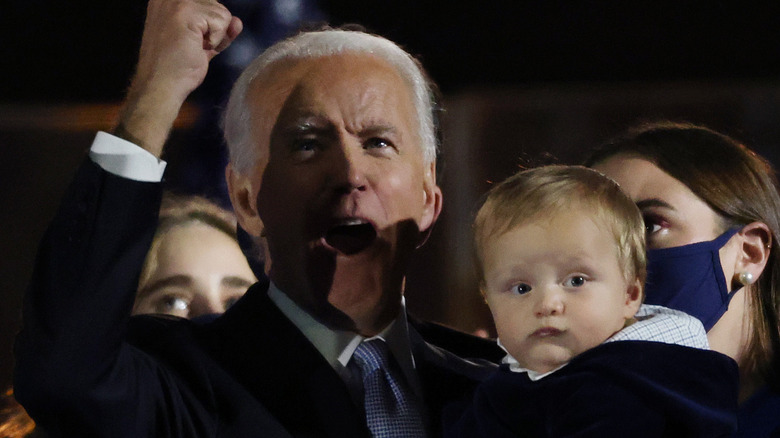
pixel 633 298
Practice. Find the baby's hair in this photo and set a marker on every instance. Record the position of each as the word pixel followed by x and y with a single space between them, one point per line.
pixel 543 192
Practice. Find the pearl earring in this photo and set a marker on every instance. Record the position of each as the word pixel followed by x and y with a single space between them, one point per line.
pixel 746 278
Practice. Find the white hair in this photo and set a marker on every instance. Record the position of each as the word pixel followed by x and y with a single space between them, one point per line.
pixel 309 45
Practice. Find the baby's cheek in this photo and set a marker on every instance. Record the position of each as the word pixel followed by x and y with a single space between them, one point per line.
pixel 515 349
pixel 508 330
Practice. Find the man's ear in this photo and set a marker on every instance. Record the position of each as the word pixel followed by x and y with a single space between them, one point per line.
pixel 432 198
pixel 243 196
pixel 755 245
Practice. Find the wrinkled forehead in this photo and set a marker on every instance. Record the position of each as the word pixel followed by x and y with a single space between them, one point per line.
pixel 269 92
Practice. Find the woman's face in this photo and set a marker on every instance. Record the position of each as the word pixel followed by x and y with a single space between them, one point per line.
pixel 199 270
pixel 673 214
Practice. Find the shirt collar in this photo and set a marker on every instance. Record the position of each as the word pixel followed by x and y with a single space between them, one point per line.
pixel 337 346
pixel 515 366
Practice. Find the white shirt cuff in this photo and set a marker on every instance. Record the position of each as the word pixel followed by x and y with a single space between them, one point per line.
pixel 123 158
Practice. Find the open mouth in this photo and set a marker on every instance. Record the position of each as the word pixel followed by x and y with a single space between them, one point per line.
pixel 351 237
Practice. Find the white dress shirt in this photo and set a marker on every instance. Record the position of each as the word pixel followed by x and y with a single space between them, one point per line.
pixel 125 159
pixel 337 346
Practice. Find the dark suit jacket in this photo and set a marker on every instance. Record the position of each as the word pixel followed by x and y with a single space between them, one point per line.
pixel 84 368
pixel 617 389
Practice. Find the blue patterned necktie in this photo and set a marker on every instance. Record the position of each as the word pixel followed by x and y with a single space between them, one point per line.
pixel 392 410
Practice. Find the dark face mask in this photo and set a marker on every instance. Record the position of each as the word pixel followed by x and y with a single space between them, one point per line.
pixel 690 278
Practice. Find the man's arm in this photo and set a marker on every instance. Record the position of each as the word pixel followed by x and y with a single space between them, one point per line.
pixel 73 369
pixel 180 38
pixel 75 372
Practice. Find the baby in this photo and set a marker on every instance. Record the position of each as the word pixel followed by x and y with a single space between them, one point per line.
pixel 561 255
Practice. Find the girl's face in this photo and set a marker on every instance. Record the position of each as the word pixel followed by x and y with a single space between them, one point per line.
pixel 199 270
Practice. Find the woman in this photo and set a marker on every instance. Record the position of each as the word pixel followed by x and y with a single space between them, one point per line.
pixel 712 215
pixel 194 266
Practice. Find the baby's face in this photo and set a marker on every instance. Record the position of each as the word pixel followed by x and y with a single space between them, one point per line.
pixel 556 289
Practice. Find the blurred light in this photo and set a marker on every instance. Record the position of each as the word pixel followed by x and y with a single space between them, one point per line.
pixel 288 11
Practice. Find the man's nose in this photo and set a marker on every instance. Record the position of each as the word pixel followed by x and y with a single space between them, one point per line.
pixel 550 302
pixel 349 167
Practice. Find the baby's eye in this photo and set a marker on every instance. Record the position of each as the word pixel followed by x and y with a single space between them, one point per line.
pixel 521 289
pixel 575 281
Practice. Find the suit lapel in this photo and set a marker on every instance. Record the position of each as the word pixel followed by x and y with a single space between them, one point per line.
pixel 270 357
pixel 275 362
pixel 444 376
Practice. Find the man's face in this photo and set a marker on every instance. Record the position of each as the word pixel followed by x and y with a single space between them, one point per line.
pixel 556 289
pixel 345 193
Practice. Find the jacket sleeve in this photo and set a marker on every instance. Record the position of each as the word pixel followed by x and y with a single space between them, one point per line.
pixel 75 374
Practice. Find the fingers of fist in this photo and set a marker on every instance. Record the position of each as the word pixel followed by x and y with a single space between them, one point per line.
pixel 209 19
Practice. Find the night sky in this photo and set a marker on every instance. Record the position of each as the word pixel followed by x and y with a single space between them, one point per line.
pixel 84 51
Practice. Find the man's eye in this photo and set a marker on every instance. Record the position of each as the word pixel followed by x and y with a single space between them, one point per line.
pixel 575 281
pixel 521 289
pixel 376 143
pixel 306 145
pixel 303 149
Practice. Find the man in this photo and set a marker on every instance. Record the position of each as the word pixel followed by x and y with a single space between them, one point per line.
pixel 333 160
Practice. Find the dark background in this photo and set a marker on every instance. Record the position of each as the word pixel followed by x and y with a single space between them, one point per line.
pixel 521 80
pixel 84 50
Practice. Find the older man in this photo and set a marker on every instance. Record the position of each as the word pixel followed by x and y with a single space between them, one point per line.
pixel 333 160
